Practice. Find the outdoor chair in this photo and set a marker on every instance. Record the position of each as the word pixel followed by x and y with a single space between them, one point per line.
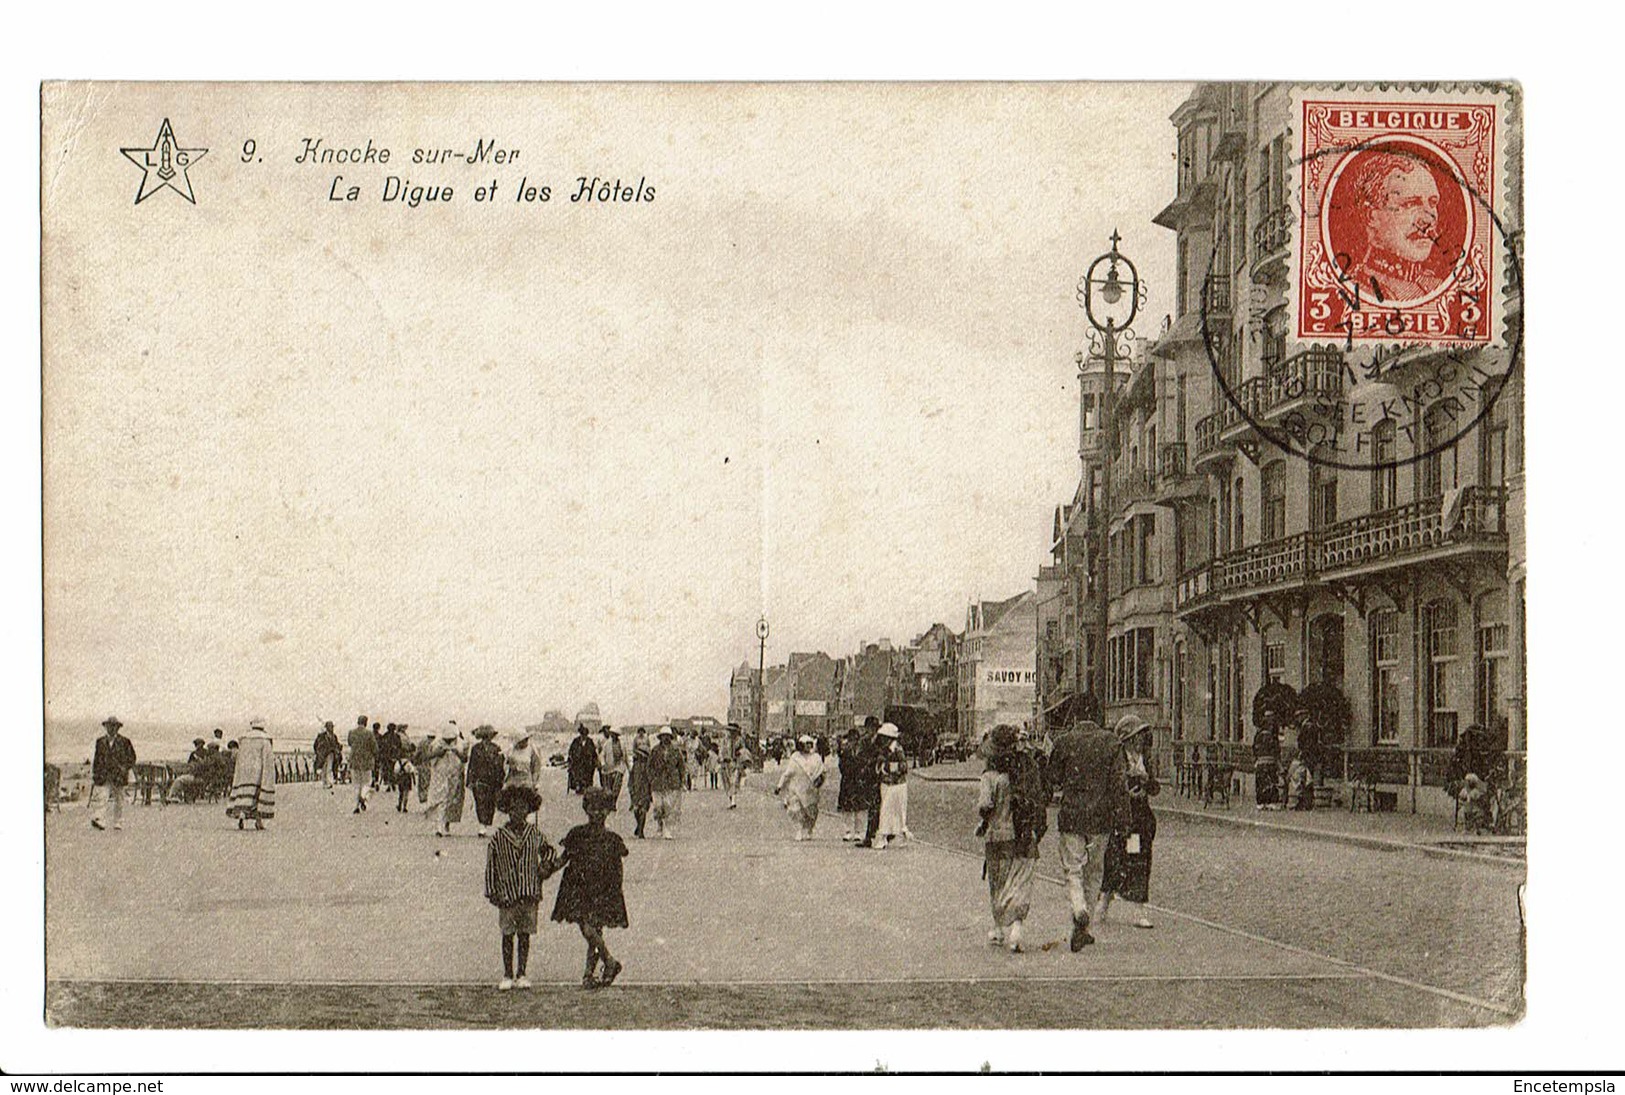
pixel 1216 784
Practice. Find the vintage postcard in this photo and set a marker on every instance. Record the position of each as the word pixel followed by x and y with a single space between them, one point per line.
pixel 783 556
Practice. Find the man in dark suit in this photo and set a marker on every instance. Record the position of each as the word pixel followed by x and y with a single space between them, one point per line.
pixel 868 780
pixel 1088 766
pixel 582 762
pixel 389 751
pixel 109 773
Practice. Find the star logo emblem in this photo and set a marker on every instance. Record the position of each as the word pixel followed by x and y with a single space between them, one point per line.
pixel 164 165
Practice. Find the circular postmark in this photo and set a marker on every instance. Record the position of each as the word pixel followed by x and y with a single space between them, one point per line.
pixel 1395 226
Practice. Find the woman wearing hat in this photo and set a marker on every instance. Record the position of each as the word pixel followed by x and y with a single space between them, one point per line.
pixel 802 778
pixel 446 779
pixel 666 775
pixel 253 778
pixel 486 770
pixel 524 762
pixel 891 768
pixel 1127 872
pixel 1012 806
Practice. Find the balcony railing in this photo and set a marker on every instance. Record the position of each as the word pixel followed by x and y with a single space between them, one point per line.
pixel 1413 527
pixel 1249 396
pixel 1195 586
pixel 1271 233
pixel 1314 373
pixel 1171 460
pixel 1207 434
pixel 1132 485
pixel 1216 295
pixel 1272 563
pixel 1477 514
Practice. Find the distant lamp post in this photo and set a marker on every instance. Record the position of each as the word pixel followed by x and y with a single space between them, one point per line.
pixel 1101 294
pixel 761 673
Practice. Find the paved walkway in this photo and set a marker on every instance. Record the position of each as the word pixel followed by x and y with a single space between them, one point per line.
pixel 324 897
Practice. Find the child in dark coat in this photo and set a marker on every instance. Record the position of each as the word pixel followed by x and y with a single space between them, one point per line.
pixel 405 774
pixel 590 892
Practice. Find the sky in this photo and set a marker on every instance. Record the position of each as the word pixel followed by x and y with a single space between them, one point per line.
pixel 306 458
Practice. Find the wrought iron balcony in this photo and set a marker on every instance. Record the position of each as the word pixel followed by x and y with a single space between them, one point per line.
pixel 1132 485
pixel 1270 237
pixel 1194 589
pixel 1249 396
pixel 1209 446
pixel 1312 374
pixel 1416 528
pixel 1171 460
pixel 1216 295
pixel 1175 476
pixel 1402 535
pixel 1273 563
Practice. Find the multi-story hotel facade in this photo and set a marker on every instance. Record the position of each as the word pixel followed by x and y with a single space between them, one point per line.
pixel 1234 561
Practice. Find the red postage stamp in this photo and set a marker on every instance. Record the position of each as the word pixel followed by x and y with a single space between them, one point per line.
pixel 1398 241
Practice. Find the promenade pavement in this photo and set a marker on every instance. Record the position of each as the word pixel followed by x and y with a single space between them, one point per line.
pixel 324 897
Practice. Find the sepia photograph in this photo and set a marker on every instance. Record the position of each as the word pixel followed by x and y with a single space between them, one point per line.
pixel 1022 556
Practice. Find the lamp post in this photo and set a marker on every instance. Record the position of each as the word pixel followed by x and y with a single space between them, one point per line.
pixel 761 674
pixel 1102 298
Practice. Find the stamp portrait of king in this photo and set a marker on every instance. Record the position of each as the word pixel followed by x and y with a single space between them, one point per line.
pixel 1398 241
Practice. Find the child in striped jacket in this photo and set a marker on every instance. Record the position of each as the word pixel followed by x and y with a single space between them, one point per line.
pixel 517 861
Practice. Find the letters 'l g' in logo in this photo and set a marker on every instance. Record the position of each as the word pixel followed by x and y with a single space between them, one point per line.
pixel 164 165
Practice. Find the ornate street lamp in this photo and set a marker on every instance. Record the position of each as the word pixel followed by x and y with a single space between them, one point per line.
pixel 1110 298
pixel 761 674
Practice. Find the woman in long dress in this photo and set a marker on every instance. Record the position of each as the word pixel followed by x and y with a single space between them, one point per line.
pixel 446 780
pixel 1011 829
pixel 892 770
pixel 800 784
pixel 253 778
pixel 1127 871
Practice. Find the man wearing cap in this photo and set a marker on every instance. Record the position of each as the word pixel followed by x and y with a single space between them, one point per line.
pixel 611 764
pixel 109 774
pixel 666 774
pixel 363 754
pixel 1088 766
pixel 253 778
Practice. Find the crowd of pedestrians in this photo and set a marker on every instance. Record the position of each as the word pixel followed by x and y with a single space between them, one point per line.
pixel 1099 785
